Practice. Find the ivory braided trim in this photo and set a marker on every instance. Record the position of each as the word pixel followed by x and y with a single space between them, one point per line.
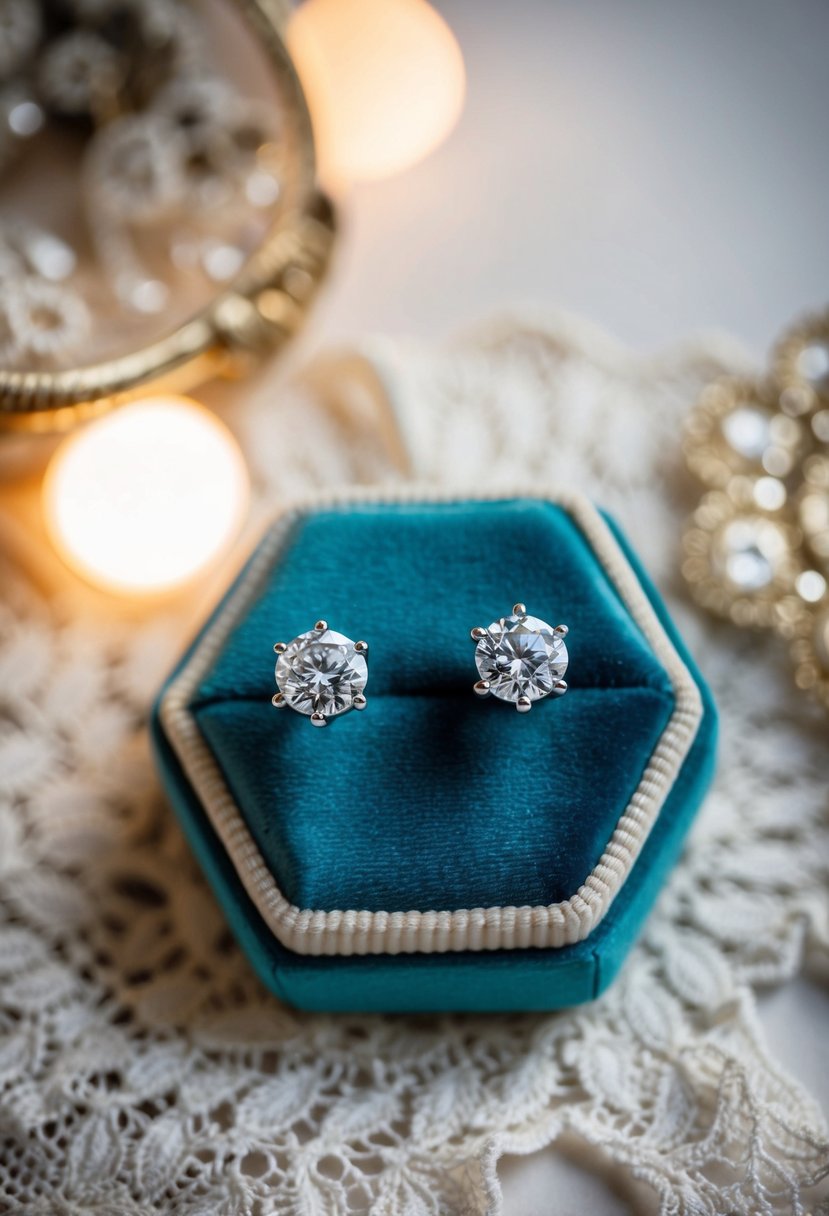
pixel 312 931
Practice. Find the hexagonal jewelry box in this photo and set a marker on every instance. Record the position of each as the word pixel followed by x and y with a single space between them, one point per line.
pixel 438 851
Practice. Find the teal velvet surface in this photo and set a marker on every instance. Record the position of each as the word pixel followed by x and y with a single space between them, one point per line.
pixel 432 798
pixel 418 805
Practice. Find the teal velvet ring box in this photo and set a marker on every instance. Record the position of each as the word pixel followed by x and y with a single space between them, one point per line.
pixel 438 851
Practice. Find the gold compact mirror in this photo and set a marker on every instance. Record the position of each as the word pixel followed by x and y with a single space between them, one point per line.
pixel 160 220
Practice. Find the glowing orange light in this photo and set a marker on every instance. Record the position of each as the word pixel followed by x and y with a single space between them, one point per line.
pixel 145 498
pixel 385 82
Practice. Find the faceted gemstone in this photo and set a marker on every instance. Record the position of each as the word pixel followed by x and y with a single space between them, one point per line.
pixel 321 672
pixel 521 656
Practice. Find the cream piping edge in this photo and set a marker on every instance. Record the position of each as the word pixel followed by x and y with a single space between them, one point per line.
pixel 316 932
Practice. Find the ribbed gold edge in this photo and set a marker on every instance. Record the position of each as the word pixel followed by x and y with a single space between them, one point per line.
pixel 257 313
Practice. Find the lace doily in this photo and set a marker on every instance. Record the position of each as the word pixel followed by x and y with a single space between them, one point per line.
pixel 142 1067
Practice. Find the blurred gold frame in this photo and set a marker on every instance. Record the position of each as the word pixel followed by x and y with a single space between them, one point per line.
pixel 256 314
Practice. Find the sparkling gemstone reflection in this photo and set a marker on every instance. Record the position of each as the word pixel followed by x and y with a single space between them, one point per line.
pixel 813 365
pixel 769 493
pixel 221 261
pixel 747 431
pixel 811 586
pixel 749 552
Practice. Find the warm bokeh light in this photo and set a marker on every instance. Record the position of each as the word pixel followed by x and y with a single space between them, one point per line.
pixel 384 79
pixel 145 498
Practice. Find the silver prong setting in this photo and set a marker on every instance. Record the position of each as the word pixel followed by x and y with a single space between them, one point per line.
pixel 320 651
pixel 521 659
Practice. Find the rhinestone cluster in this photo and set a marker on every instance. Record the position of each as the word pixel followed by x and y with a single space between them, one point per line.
pixel 757 548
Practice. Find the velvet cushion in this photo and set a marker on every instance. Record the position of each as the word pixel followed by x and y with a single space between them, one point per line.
pixel 432 798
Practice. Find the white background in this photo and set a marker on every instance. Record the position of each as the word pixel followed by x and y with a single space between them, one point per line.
pixel 657 165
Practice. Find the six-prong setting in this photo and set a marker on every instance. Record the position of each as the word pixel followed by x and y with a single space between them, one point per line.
pixel 520 659
pixel 321 674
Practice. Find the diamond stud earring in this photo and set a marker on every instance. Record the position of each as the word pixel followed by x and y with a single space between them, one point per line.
pixel 520 659
pixel 321 674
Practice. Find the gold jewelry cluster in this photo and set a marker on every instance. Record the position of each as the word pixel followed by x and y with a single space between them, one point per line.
pixel 756 550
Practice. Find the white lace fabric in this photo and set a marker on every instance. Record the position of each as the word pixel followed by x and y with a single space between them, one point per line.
pixel 142 1066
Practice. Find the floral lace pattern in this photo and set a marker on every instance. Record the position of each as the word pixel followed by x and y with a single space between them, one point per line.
pixel 142 1067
